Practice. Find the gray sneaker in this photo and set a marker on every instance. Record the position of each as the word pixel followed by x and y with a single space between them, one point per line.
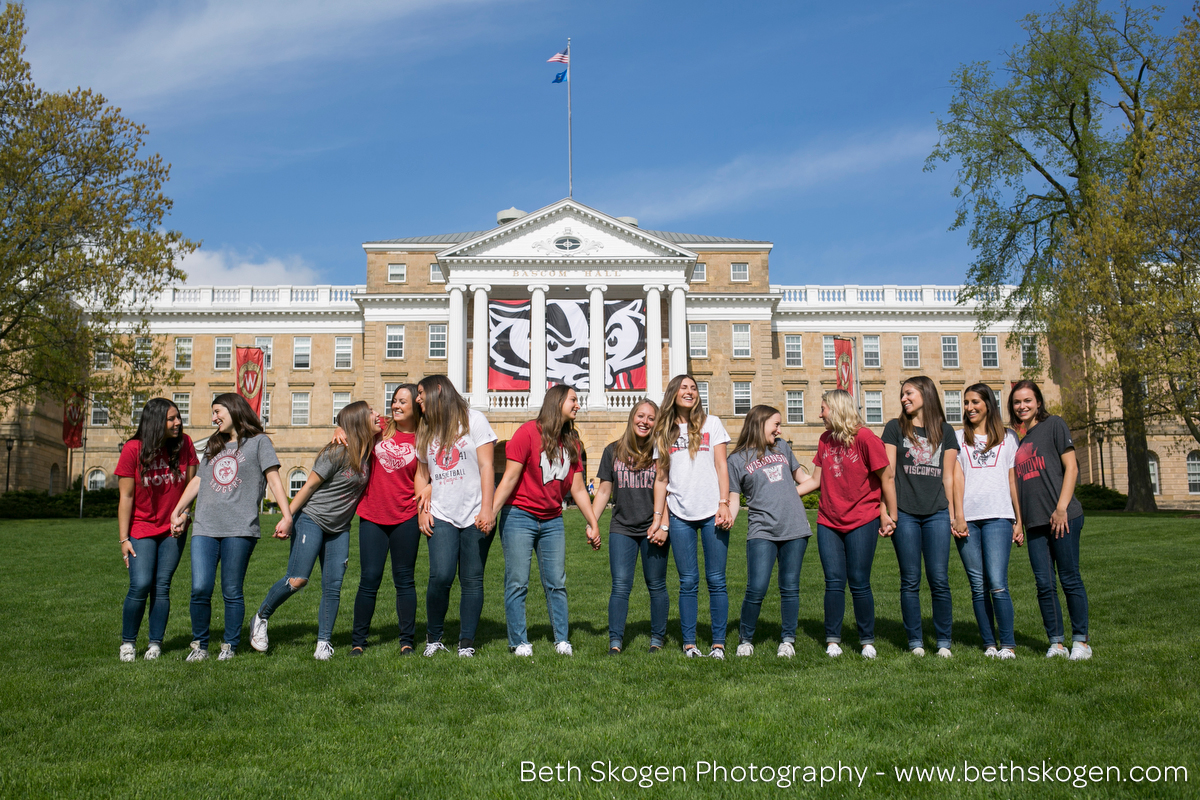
pixel 258 634
pixel 153 651
pixel 227 652
pixel 198 653
pixel 432 648
pixel 128 651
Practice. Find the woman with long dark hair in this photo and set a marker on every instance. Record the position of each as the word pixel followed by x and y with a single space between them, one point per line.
pixel 626 474
pixel 923 452
pixel 691 496
pixel 1046 471
pixel 763 468
pixel 321 513
pixel 239 464
pixel 454 452
pixel 154 467
pixel 990 522
pixel 545 461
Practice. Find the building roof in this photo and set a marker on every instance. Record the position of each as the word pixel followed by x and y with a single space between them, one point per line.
pixel 673 238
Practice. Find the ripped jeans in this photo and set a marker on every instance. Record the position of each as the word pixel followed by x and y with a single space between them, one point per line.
pixel 310 543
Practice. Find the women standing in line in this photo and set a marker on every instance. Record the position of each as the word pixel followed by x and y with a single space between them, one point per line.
pixel 454 448
pixel 693 483
pixel 323 510
pixel 387 515
pixel 626 474
pixel 1046 470
pixel 764 469
pixel 154 467
pixel 544 463
pixel 239 463
pixel 922 450
pixel 852 470
pixel 987 495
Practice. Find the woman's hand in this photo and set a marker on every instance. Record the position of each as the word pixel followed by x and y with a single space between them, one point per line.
pixel 339 437
pixel 887 525
pixel 424 502
pixel 724 520
pixel 484 522
pixel 1058 523
pixel 283 528
pixel 178 522
pixel 425 523
pixel 127 551
pixel 1018 533
pixel 958 527
pixel 593 536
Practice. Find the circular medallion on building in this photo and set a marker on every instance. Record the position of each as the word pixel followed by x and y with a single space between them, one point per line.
pixel 567 243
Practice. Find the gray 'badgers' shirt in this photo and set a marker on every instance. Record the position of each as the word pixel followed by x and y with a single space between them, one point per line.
pixel 231 488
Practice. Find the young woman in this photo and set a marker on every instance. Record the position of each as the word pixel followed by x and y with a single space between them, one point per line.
pixel 691 496
pixel 763 468
pixel 626 474
pixel 387 522
pixel 322 529
pixel 239 463
pixel 454 448
pixel 544 464
pixel 1046 471
pixel 987 495
pixel 154 467
pixel 852 470
pixel 923 454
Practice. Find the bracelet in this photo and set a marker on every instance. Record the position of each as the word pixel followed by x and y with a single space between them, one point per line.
pixel 123 541
pixel 658 513
pixel 726 502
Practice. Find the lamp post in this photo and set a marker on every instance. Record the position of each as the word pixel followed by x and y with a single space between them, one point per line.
pixel 8 467
pixel 1100 442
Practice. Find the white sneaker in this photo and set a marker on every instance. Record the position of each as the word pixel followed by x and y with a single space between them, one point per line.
pixel 197 654
pixel 692 652
pixel 786 650
pixel 324 651
pixel 717 653
pixel 833 650
pixel 1080 651
pixel 227 652
pixel 745 649
pixel 431 649
pixel 1006 654
pixel 524 650
pixel 1057 649
pixel 919 652
pixel 466 652
pixel 992 652
pixel 564 649
pixel 153 651
pixel 944 652
pixel 258 634
pixel 868 651
pixel 128 651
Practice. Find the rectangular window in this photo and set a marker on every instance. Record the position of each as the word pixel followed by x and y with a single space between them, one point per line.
pixel 1029 352
pixel 264 343
pixel 1154 487
pixel 343 352
pixel 223 352
pixel 989 351
pixel 910 346
pixel 99 411
pixel 1193 472
pixel 793 350
pixel 340 401
pixel 741 398
pixel 698 340
pixel 395 341
pixel 389 389
pixel 827 350
pixel 136 404
pixel 873 404
pixel 397 273
pixel 143 352
pixel 953 401
pixel 102 358
pixel 739 272
pixel 703 387
pixel 437 341
pixel 264 410
pixel 949 352
pixel 300 408
pixel 795 408
pixel 183 353
pixel 183 401
pixel 435 273
pixel 700 273
pixel 302 352
pixel 871 351
pixel 741 340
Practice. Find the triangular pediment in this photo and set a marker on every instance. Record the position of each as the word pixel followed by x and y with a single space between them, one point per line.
pixel 566 231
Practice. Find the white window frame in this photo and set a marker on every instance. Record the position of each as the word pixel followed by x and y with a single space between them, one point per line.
pixel 393 331
pixel 222 353
pixel 698 340
pixel 389 389
pixel 137 403
pixel 343 346
pixel 915 352
pixel 301 408
pixel 989 350
pixel 700 273
pixel 344 399
pixel 790 339
pixel 829 352
pixel 435 273
pixel 264 409
pixel 183 401
pixel 444 333
pixel 702 389
pixel 957 406
pixel 734 271
pixel 950 352
pixel 183 352
pixel 397 273
pixel 302 345
pixel 873 408
pixel 748 400
pixel 1155 467
pixel 1029 352
pixel 267 345
pixel 102 358
pixel 94 485
pixel 1193 472
pixel 741 331
pixel 296 480
pixel 871 350
pixel 795 402
pixel 143 352
pixel 99 413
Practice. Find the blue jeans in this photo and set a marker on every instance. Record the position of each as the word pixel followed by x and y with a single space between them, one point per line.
pixel 761 555
pixel 1046 554
pixel 374 543
pixel 847 557
pixel 622 560
pixel 150 573
pixel 233 554
pixel 522 534
pixel 463 551
pixel 309 543
pixel 716 553
pixel 984 554
pixel 927 536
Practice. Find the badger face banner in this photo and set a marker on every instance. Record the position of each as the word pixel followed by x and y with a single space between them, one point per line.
pixel 508 345
pixel 567 343
pixel 625 345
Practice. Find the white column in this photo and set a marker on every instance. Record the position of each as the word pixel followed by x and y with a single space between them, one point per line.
pixel 479 366
pixel 677 354
pixel 654 365
pixel 596 349
pixel 537 347
pixel 456 340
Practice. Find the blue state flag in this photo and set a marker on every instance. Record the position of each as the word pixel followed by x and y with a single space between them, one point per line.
pixel 560 77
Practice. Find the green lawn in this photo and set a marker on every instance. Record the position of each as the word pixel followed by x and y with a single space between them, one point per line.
pixel 74 721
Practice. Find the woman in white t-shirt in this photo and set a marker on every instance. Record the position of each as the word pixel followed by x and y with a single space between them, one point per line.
pixel 991 520
pixel 454 448
pixel 691 496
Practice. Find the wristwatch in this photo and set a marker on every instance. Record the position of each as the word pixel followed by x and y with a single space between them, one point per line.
pixel 664 527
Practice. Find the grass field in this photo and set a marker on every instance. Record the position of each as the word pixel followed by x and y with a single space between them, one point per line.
pixel 74 721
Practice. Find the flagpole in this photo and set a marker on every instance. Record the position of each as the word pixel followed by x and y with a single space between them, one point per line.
pixel 570 163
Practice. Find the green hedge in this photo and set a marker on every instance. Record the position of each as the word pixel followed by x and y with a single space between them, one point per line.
pixel 39 505
pixel 1094 497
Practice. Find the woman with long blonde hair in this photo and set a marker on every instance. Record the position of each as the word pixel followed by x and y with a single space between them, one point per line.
pixel 691 497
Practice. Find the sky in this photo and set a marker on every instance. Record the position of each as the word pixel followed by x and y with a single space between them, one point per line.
pixel 298 130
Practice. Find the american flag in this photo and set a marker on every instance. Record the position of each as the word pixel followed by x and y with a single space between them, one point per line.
pixel 562 58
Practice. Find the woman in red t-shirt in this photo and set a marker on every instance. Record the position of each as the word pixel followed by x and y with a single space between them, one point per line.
pixel 544 463
pixel 852 471
pixel 154 467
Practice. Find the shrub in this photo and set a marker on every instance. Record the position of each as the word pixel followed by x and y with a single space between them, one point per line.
pixel 1094 497
pixel 39 505
pixel 812 499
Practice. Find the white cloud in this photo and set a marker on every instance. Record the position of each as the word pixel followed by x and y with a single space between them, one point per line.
pixel 226 268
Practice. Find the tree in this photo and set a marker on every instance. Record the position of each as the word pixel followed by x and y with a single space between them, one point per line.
pixel 82 247
pixel 1031 154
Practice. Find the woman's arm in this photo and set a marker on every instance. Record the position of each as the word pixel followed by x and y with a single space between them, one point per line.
pixel 485 520
pixel 724 519
pixel 734 504
pixel 809 483
pixel 424 514
pixel 655 532
pixel 1018 531
pixel 275 483
pixel 178 519
pixel 580 495
pixel 954 484
pixel 512 474
pixel 1058 520
pixel 125 517
pixel 887 484
pixel 600 501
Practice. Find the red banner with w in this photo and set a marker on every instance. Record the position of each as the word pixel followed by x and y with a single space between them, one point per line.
pixel 843 355
pixel 250 375
pixel 73 410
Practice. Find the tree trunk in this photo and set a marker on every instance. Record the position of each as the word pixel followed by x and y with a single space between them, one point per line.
pixel 1137 460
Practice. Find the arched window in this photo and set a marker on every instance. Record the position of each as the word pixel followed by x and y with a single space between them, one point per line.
pixel 1193 469
pixel 1155 483
pixel 96 479
pixel 296 481
pixel 54 487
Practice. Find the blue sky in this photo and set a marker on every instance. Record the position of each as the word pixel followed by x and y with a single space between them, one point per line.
pixel 298 130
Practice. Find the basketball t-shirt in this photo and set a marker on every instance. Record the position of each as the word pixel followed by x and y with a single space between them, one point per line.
pixel 457 495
